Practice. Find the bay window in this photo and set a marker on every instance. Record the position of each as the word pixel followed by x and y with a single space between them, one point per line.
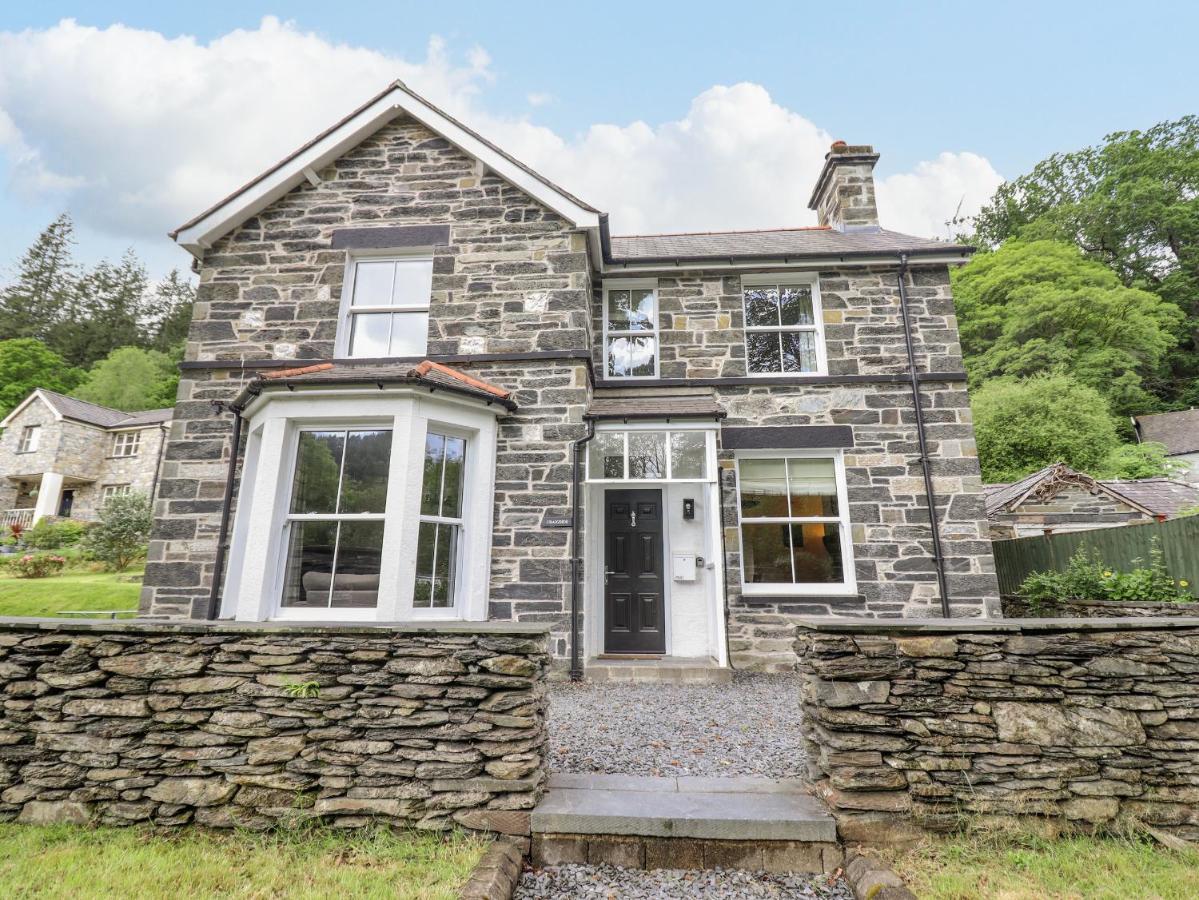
pixel 386 309
pixel 440 521
pixel 630 329
pixel 784 331
pixel 794 523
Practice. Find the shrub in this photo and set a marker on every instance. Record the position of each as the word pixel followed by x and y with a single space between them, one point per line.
pixel 54 534
pixel 38 565
pixel 1086 578
pixel 122 531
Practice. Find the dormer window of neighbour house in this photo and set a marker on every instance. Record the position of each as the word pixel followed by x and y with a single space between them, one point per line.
pixel 126 443
pixel 31 436
pixel 385 307
pixel 631 329
pixel 784 331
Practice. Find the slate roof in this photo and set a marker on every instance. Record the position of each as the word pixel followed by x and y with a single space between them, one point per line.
pixel 427 373
pixel 678 406
pixel 776 243
pixel 1179 431
pixel 102 416
pixel 1159 496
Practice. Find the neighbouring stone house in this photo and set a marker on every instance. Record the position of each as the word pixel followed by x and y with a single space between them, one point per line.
pixel 424 382
pixel 1179 433
pixel 64 457
pixel 1058 499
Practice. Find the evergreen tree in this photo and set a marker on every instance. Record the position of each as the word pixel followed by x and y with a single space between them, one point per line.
pixel 45 280
pixel 171 311
pixel 110 310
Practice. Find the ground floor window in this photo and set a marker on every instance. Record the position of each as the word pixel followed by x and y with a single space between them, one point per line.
pixel 108 491
pixel 649 454
pixel 794 524
pixel 440 521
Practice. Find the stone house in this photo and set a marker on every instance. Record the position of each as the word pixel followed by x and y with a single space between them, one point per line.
pixel 64 457
pixel 1057 499
pixel 425 382
pixel 1179 433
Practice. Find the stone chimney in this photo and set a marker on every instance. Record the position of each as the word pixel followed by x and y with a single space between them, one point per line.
pixel 844 194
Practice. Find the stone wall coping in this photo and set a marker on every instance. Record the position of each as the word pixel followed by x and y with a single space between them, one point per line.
pixel 204 626
pixel 993 626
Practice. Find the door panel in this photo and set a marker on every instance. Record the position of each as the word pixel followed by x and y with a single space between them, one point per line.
pixel 634 613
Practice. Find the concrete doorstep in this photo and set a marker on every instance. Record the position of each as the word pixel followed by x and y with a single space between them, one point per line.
pixel 758 824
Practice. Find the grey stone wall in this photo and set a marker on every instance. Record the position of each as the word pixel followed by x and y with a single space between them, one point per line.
pixel 1018 607
pixel 118 723
pixel 1073 508
pixel 919 727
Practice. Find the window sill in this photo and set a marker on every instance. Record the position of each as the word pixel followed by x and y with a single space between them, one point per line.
pixel 777 599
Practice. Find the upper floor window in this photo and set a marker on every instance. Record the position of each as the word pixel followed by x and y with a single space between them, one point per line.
pixel 388 310
pixel 784 333
pixel 31 436
pixel 126 443
pixel 630 329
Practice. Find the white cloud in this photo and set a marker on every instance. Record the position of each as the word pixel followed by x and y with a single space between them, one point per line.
pixel 136 132
pixel 539 98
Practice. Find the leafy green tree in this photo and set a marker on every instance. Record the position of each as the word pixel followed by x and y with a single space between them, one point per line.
pixel 1146 460
pixel 1037 307
pixel 120 535
pixel 1131 203
pixel 31 305
pixel 26 364
pixel 131 379
pixel 1024 425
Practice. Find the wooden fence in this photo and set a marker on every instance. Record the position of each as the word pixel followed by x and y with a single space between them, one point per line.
pixel 1119 547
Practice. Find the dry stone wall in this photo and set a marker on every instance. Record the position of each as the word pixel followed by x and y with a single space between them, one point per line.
pixel 253 725
pixel 916 726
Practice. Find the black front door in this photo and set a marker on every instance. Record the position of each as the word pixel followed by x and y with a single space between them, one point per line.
pixel 634 611
pixel 65 504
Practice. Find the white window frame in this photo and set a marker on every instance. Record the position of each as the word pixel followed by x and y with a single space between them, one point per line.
pixel 290 518
pixel 708 429
pixel 447 430
pixel 253 590
pixel 347 311
pixel 776 279
pixel 31 439
pixel 126 444
pixel 632 284
pixel 849 586
pixel 108 491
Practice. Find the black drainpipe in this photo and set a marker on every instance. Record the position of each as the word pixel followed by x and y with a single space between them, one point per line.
pixel 929 493
pixel 222 544
pixel 162 443
pixel 576 564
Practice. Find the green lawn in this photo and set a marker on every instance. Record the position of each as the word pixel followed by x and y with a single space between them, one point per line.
pixel 49 596
pixel 1028 867
pixel 70 861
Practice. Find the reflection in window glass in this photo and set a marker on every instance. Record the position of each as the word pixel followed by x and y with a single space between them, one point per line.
pixel 631 327
pixel 381 285
pixel 688 454
pixel 631 310
pixel 440 521
pixel 605 455
pixel 631 357
pixel 647 454
pixel 335 523
pixel 780 329
pixel 659 455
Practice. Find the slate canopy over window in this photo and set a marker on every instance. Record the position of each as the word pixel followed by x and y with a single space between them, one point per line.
pixel 388 310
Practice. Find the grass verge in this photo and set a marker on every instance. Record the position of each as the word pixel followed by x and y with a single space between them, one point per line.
pixel 71 861
pixel 50 596
pixel 1024 866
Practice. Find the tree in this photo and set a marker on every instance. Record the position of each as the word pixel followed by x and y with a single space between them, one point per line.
pixel 109 310
pixel 46 277
pixel 1037 307
pixel 1131 203
pixel 171 312
pixel 1146 460
pixel 1025 425
pixel 26 364
pixel 131 379
pixel 120 535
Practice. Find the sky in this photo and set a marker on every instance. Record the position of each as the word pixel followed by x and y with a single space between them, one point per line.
pixel 134 116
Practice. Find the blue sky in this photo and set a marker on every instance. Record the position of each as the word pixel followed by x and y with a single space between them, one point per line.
pixel 130 127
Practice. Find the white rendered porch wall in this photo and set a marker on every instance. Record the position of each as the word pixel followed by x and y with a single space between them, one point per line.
pixel 690 601
pixel 49 495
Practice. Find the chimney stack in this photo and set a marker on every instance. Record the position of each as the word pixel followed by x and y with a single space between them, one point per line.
pixel 844 193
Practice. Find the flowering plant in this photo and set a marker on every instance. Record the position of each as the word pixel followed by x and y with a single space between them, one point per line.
pixel 39 565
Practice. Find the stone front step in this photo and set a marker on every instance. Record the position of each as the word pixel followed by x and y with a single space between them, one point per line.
pixel 666 670
pixel 748 823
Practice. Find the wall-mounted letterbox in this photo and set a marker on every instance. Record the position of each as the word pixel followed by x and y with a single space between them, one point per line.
pixel 683 566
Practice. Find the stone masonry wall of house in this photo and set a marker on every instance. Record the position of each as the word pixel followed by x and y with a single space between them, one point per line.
pixel 913 727
pixel 513 279
pixel 119 723
pixel 702 335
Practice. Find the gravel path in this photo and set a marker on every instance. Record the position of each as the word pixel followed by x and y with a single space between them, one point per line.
pixel 613 883
pixel 747 727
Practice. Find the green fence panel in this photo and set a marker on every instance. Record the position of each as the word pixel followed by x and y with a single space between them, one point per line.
pixel 1121 547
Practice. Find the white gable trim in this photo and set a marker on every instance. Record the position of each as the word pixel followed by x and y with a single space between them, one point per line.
pixel 200 234
pixel 36 395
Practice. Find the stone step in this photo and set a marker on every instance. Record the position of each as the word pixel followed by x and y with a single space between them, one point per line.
pixel 666 670
pixel 727 809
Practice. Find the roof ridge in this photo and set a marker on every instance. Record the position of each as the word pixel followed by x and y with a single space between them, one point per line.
pixel 732 231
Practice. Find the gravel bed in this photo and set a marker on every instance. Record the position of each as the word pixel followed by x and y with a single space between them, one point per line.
pixel 747 727
pixel 614 883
